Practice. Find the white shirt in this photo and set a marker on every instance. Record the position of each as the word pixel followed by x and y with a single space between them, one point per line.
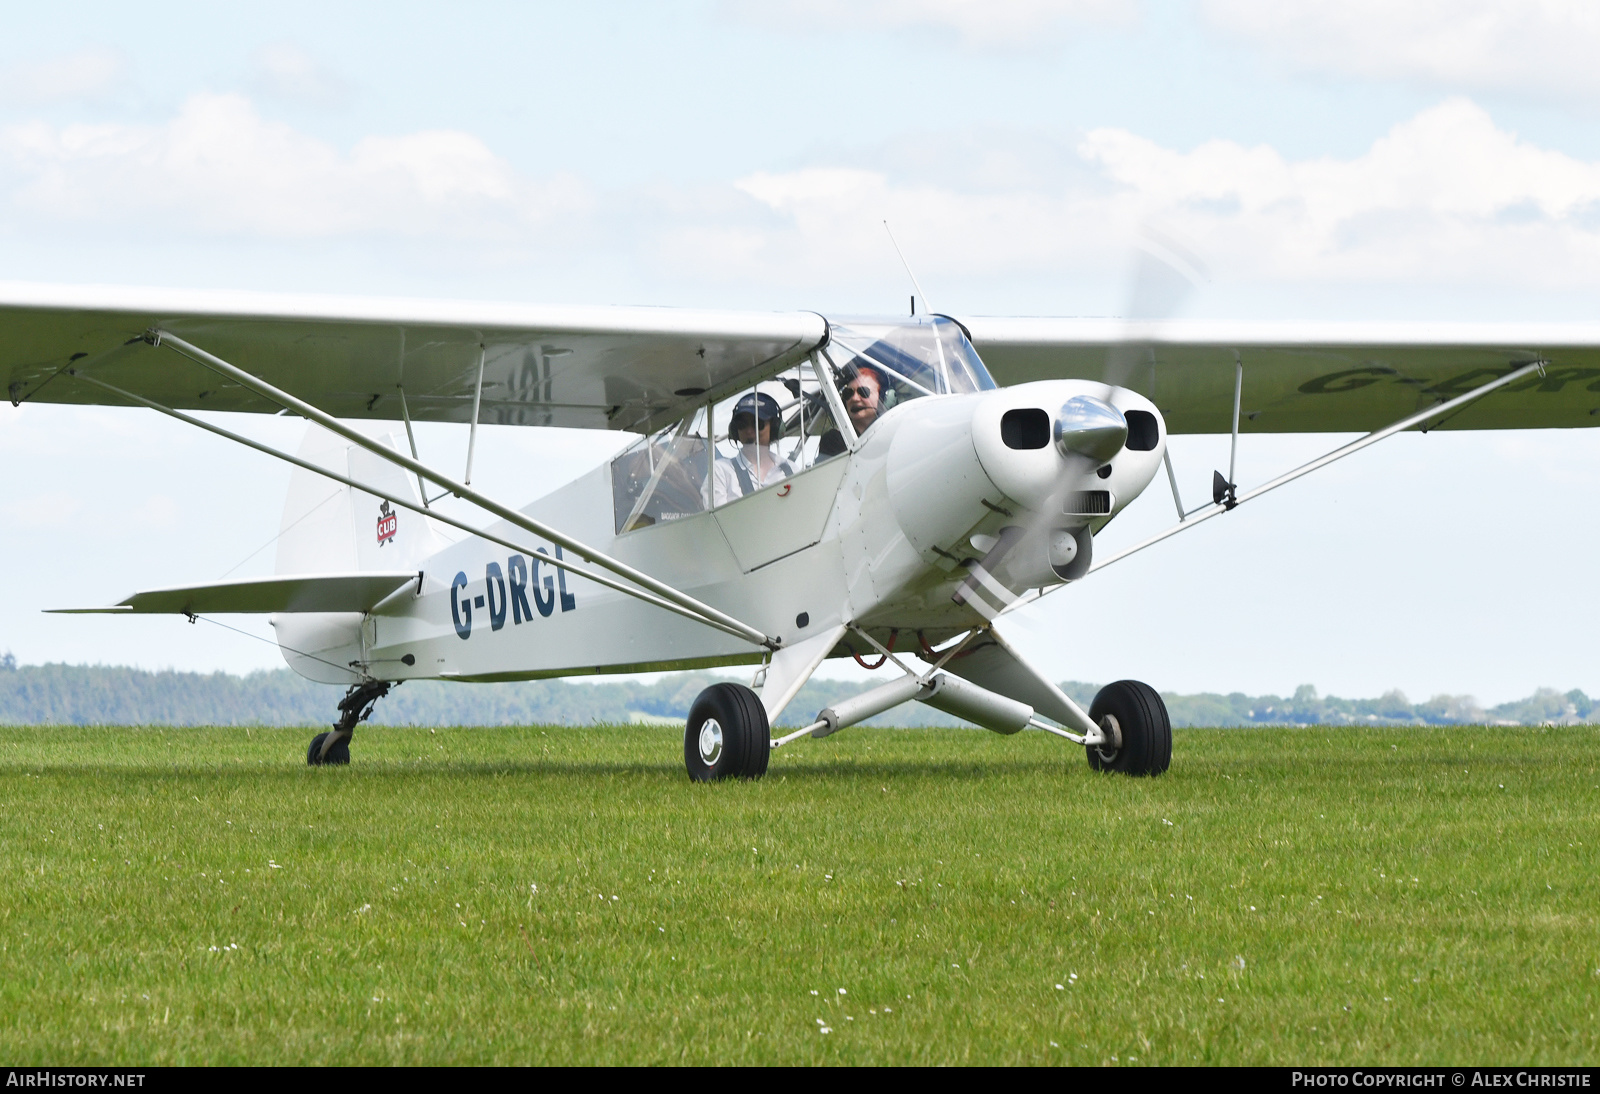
pixel 725 482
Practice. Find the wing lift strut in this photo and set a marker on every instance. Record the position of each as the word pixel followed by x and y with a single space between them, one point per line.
pixel 1225 497
pixel 632 582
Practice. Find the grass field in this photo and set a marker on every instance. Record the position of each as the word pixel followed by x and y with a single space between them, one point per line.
pixel 886 896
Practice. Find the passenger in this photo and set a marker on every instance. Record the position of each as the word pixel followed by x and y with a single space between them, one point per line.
pixel 863 401
pixel 756 419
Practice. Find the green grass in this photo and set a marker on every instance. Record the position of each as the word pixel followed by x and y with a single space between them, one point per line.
pixel 1281 896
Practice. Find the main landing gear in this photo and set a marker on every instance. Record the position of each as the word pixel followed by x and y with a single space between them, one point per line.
pixel 727 736
pixel 333 747
pixel 1134 720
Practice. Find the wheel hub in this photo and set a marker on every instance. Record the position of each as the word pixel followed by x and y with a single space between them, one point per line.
pixel 710 742
pixel 1111 729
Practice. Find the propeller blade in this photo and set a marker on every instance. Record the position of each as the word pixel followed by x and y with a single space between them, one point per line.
pixel 1165 274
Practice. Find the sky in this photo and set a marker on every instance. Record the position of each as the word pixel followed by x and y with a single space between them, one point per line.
pixel 1351 160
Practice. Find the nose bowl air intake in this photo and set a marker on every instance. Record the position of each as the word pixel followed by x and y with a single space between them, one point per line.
pixel 1090 427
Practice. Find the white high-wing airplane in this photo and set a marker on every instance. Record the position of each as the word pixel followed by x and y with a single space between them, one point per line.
pixel 802 487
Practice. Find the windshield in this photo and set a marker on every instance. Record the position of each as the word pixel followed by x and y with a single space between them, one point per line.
pixel 914 357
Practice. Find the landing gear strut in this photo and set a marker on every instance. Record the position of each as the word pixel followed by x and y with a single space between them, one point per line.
pixel 333 747
pixel 1134 719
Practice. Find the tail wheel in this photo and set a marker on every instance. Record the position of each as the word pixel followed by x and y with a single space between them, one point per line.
pixel 727 736
pixel 1142 733
pixel 338 753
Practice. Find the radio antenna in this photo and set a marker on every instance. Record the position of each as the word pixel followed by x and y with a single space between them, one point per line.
pixel 926 306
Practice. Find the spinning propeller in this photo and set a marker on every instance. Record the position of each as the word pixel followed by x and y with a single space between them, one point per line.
pixel 1089 431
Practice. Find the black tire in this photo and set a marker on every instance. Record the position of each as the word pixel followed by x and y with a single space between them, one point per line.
pixel 738 744
pixel 1146 747
pixel 338 754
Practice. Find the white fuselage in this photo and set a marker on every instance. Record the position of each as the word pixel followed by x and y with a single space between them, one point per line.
pixel 882 538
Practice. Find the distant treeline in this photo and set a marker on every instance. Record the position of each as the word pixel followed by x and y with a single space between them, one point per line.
pixel 107 695
pixel 1546 706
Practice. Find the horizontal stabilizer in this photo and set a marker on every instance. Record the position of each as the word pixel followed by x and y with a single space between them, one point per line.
pixel 286 593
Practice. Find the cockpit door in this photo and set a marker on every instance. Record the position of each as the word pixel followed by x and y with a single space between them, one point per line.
pixel 781 519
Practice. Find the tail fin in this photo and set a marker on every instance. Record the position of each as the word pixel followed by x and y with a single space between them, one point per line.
pixel 331 528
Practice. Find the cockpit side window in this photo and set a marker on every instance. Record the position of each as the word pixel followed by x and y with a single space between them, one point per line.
pixel 756 438
pixel 661 477
pixel 771 431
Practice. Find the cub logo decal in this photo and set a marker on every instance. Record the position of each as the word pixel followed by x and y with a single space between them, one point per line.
pixel 388 524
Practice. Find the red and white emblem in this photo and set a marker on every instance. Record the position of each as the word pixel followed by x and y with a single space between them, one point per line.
pixel 388 524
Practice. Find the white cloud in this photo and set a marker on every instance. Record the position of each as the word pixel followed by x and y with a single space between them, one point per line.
pixel 827 223
pixel 32 432
pixel 982 23
pixel 1445 196
pixel 284 70
pixel 1444 199
pixel 1527 45
pixel 155 511
pixel 89 74
pixel 219 166
pixel 52 510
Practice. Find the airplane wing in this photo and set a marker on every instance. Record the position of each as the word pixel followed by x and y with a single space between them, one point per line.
pixel 1311 377
pixel 634 368
pixel 294 593
pixel 595 367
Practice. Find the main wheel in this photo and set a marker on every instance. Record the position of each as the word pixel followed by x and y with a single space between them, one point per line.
pixel 1141 721
pixel 727 736
pixel 338 754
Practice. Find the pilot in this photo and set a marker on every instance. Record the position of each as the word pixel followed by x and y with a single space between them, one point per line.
pixel 757 423
pixel 863 401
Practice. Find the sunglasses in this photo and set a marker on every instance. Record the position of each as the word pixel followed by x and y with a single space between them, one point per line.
pixel 862 390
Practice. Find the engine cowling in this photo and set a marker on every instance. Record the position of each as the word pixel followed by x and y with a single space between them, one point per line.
pixel 1022 477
